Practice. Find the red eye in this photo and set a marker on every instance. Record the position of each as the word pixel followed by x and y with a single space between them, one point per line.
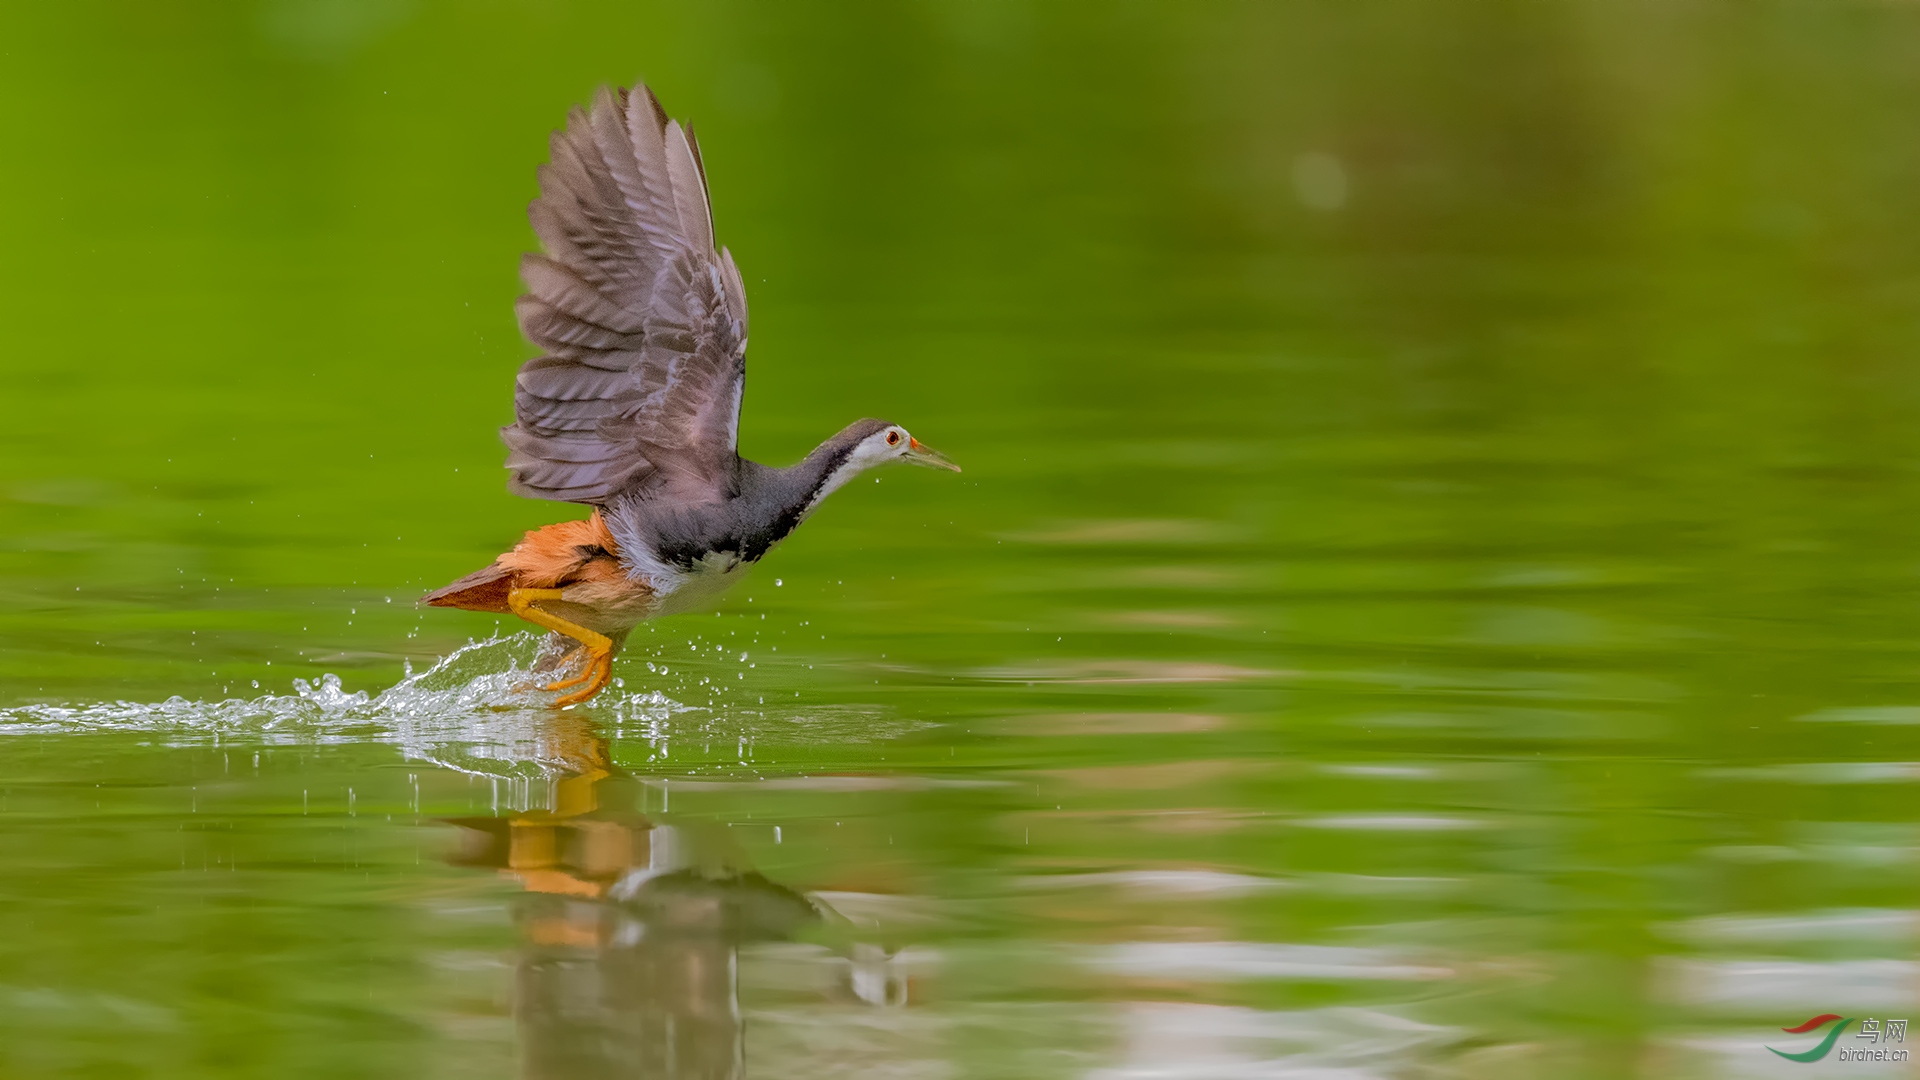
pixel 893 438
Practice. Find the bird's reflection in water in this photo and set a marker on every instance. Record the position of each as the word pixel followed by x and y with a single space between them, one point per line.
pixel 632 927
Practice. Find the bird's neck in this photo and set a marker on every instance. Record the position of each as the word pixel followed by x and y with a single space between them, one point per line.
pixel 770 504
pixel 799 488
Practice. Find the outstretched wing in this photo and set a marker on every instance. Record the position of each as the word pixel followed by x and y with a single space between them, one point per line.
pixel 644 323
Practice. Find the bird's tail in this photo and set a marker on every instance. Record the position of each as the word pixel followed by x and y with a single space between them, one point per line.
pixel 482 590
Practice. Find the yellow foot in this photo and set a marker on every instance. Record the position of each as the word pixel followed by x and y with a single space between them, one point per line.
pixel 599 673
pixel 584 675
pixel 596 659
pixel 566 664
pixel 599 647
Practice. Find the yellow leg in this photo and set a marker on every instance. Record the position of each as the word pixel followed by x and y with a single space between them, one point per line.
pixel 599 647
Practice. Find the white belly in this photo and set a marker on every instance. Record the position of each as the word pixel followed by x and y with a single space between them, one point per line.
pixel 694 589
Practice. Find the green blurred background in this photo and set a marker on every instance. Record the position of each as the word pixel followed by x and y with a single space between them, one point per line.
pixel 1439 487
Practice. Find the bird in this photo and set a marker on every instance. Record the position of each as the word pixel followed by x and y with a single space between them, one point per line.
pixel 633 406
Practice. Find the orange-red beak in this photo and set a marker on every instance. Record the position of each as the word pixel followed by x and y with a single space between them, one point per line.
pixel 920 453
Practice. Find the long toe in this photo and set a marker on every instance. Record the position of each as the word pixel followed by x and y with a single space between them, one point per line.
pixel 585 674
pixel 566 663
pixel 599 673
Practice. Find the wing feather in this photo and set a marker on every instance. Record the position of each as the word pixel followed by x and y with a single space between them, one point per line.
pixel 553 329
pixel 553 396
pixel 736 290
pixel 560 289
pixel 646 125
pixel 643 322
pixel 689 190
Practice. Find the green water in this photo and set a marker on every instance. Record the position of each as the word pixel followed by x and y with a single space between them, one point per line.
pixel 1434 590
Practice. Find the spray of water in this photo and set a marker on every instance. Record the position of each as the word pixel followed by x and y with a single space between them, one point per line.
pixel 478 710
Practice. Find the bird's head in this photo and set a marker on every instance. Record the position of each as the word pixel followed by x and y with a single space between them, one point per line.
pixel 858 447
pixel 885 442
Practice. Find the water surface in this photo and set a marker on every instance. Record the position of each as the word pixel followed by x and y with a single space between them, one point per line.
pixel 1433 592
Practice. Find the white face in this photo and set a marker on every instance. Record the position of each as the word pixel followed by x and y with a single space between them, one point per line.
pixel 894 443
pixel 888 444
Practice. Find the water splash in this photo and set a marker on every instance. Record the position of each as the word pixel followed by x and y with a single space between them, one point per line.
pixel 478 710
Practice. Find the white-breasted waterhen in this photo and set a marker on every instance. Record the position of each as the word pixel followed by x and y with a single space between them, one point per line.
pixel 635 407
